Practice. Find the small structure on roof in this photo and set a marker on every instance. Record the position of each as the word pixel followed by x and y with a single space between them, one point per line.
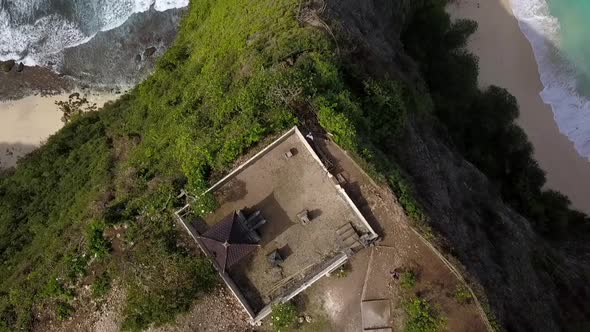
pixel 275 258
pixel 232 239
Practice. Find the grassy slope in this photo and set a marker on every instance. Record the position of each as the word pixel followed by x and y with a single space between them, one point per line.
pixel 237 72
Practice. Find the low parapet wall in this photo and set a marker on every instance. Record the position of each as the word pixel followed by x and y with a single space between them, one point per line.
pixel 224 276
pixel 330 266
pixel 341 190
pixel 252 160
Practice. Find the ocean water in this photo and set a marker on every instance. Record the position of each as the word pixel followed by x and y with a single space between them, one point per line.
pixel 559 32
pixel 33 31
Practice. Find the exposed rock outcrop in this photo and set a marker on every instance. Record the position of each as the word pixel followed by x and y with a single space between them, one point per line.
pixel 6 66
pixel 149 51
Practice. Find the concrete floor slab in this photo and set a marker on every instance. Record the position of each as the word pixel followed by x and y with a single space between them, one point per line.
pixel 376 314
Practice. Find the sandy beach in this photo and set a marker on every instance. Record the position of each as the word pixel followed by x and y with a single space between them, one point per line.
pixel 26 123
pixel 506 59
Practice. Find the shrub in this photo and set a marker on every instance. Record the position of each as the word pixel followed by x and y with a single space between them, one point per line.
pixel 63 310
pixel 386 109
pixel 408 280
pixel 76 265
pixel 98 246
pixel 462 294
pixel 343 271
pixel 101 285
pixel 56 290
pixel 283 316
pixel 338 125
pixel 74 107
pixel 421 317
pixel 404 193
pixel 170 288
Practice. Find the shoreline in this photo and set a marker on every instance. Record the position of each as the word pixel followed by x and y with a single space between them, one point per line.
pixel 506 59
pixel 27 123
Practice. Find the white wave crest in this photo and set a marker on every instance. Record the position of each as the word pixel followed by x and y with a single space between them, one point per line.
pixel 571 110
pixel 30 36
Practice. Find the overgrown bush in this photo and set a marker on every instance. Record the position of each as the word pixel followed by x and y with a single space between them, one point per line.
pixel 421 317
pixel 405 195
pixel 76 265
pixel 171 288
pixel 462 294
pixel 343 271
pixel 339 125
pixel 283 316
pixel 63 310
pixel 98 246
pixel 101 285
pixel 408 280
pixel 74 107
pixel 55 289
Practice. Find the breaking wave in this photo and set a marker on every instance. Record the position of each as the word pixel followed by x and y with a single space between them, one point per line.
pixel 563 81
pixel 33 31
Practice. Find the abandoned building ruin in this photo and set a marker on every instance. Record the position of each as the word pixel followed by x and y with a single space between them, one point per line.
pixel 283 222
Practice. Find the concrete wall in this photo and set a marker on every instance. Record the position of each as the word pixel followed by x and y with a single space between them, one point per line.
pixel 224 276
pixel 330 266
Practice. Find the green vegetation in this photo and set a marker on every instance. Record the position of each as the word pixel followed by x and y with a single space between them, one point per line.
pixel 160 299
pixel 74 107
pixel 237 73
pixel 64 310
pixel 482 123
pixel 421 317
pixel 462 294
pixel 408 280
pixel 98 246
pixel 101 285
pixel 283 316
pixel 343 270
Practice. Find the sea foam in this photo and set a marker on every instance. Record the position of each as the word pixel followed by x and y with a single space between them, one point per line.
pixel 33 31
pixel 571 109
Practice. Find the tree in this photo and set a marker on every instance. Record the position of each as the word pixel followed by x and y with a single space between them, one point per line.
pixel 74 106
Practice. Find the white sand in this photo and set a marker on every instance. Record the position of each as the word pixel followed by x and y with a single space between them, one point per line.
pixel 25 124
pixel 506 59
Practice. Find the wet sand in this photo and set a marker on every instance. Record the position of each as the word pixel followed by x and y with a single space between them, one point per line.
pixel 26 123
pixel 506 59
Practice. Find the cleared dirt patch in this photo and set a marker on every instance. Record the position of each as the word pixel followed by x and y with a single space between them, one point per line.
pixel 400 250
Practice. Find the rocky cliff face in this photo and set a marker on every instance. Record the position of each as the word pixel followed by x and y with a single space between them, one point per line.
pixel 368 33
pixel 529 284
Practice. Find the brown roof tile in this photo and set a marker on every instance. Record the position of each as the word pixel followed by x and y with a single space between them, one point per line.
pixel 225 242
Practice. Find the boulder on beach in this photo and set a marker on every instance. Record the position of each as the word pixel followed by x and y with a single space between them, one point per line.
pixel 20 67
pixel 6 66
pixel 149 51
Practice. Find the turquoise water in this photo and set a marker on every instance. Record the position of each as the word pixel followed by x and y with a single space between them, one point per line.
pixel 574 36
pixel 559 32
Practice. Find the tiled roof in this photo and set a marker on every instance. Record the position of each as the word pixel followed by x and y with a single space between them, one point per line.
pixel 225 242
pixel 235 252
pixel 221 231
